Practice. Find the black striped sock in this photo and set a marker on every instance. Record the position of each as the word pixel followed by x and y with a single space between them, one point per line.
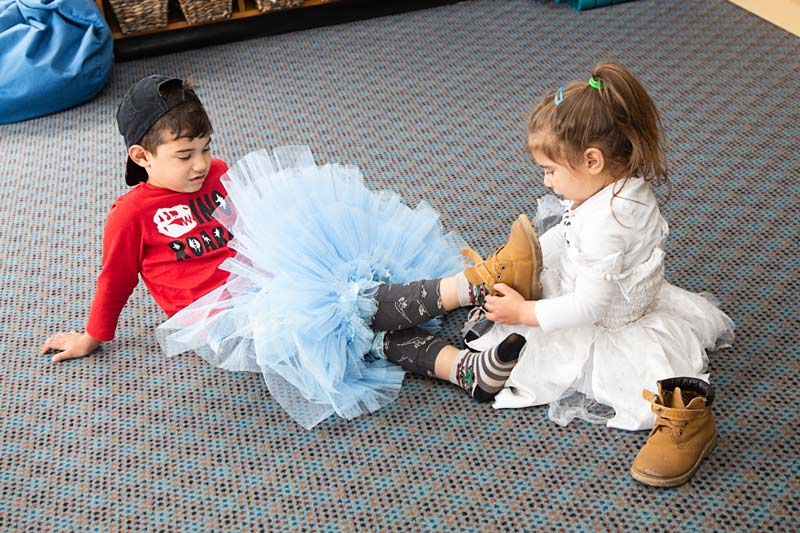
pixel 483 374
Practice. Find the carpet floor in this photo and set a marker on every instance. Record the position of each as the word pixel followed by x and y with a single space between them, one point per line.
pixel 432 104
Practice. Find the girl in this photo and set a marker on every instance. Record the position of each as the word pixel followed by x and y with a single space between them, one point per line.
pixel 609 324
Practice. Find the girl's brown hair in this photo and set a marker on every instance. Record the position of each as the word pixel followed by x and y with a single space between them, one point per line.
pixel 188 119
pixel 619 118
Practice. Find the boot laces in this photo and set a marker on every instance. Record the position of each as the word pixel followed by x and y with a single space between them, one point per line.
pixel 493 264
pixel 475 315
pixel 662 420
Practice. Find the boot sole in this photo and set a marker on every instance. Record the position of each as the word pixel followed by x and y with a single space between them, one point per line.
pixel 537 291
pixel 675 481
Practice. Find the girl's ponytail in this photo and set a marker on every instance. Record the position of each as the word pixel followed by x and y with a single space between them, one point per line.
pixel 634 114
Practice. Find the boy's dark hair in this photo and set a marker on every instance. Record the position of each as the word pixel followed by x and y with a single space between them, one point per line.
pixel 153 107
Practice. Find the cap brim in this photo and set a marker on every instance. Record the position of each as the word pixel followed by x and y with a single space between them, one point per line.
pixel 134 174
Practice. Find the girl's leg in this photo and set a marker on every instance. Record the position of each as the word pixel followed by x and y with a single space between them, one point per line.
pixel 480 374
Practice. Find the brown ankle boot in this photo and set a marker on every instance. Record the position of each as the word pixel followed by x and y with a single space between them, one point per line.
pixel 683 435
pixel 518 263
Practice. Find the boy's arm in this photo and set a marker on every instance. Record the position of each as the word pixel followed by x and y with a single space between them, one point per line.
pixel 118 277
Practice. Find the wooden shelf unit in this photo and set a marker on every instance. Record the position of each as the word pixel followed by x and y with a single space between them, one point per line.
pixel 247 22
pixel 242 9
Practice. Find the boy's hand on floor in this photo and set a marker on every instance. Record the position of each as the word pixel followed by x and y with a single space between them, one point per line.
pixel 72 345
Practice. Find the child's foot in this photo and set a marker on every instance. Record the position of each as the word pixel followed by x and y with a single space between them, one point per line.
pixel 483 374
pixel 518 263
pixel 476 326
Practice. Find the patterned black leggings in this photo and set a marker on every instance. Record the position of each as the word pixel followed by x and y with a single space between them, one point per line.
pixel 401 307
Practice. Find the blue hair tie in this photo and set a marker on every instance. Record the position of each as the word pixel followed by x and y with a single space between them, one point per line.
pixel 559 95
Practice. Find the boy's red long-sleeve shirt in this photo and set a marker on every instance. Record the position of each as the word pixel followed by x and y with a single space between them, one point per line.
pixel 168 237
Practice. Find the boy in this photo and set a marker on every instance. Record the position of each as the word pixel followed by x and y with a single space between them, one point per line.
pixel 162 229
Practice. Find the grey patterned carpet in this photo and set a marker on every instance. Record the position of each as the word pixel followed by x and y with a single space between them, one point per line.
pixel 430 103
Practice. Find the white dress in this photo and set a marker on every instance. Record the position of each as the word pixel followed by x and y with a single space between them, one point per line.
pixel 610 324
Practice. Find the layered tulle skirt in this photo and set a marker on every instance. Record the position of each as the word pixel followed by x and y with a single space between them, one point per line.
pixel 312 245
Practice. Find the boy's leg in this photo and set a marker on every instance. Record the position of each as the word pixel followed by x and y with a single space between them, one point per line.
pixel 480 374
pixel 405 305
pixel 518 264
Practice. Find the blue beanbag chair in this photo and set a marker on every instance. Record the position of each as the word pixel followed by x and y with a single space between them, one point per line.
pixel 54 54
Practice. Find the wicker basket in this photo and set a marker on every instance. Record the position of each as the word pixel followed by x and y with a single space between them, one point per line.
pixel 200 11
pixel 139 15
pixel 276 5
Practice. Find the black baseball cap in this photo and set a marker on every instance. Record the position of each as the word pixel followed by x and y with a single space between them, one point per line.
pixel 141 107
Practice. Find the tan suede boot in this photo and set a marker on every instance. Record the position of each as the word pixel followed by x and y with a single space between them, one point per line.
pixel 683 435
pixel 518 263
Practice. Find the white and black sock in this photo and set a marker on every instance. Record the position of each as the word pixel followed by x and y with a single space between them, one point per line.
pixel 483 374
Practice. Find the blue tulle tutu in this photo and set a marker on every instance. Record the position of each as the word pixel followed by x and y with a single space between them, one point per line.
pixel 313 244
